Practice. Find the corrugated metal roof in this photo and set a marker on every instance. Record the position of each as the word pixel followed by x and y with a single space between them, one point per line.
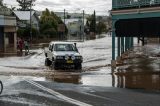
pixel 23 15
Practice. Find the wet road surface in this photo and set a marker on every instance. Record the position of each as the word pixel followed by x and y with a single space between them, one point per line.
pixel 28 82
pixel 29 91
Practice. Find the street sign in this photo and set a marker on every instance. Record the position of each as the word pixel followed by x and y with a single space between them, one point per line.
pixel 61 28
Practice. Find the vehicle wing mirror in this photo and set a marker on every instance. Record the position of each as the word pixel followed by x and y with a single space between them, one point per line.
pixel 75 44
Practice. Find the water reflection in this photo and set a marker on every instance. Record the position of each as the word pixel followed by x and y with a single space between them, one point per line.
pixel 100 77
pixel 149 81
pixel 66 77
pixel 141 73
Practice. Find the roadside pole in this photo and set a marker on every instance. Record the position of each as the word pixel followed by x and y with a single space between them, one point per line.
pixel 31 19
pixel 83 25
pixel 64 25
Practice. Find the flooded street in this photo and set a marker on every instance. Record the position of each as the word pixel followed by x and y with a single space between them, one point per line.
pixel 94 56
pixel 27 81
pixel 96 67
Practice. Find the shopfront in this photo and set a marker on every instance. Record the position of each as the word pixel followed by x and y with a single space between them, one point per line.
pixel 8 37
pixel 1 39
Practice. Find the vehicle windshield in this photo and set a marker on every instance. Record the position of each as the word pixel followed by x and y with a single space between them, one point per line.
pixel 64 47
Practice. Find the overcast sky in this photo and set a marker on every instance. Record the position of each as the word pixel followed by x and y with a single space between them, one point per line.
pixel 101 6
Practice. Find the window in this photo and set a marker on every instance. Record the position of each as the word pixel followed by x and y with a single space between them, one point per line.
pixel 64 47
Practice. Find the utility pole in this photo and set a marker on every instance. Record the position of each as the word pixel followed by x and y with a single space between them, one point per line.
pixel 31 19
pixel 83 25
pixel 64 24
pixel 94 22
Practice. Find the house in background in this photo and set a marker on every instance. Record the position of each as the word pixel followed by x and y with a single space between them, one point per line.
pixel 23 19
pixel 8 35
pixel 75 27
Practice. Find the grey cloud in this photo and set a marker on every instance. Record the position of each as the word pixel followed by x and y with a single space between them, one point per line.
pixel 51 3
pixel 101 6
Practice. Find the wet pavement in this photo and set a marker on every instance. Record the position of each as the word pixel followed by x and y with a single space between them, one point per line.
pixel 29 91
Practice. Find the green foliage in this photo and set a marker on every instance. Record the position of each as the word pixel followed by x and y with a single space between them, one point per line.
pixel 25 32
pixel 1 2
pixel 48 23
pixel 91 22
pixel 25 4
pixel 68 16
pixel 101 27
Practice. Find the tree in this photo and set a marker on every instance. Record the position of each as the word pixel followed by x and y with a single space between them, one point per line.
pixel 101 27
pixel 93 23
pixel 13 8
pixel 68 16
pixel 1 2
pixel 49 23
pixel 24 32
pixel 25 4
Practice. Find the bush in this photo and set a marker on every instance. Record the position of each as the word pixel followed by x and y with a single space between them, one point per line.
pixel 25 32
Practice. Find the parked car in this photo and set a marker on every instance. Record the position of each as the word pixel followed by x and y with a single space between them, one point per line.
pixel 63 54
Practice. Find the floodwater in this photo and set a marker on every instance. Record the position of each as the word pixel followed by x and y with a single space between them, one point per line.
pixel 99 77
pixel 142 72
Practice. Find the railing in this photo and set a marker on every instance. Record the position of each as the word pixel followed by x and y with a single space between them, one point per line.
pixel 119 4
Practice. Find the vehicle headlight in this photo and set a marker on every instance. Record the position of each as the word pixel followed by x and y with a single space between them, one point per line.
pixel 59 57
pixel 66 57
pixel 73 57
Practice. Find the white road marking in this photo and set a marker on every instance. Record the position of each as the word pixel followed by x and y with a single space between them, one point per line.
pixel 57 94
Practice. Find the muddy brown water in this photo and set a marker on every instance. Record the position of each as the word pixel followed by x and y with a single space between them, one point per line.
pixel 141 73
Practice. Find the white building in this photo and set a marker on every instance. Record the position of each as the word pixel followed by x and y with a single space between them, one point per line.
pixel 75 27
pixel 23 19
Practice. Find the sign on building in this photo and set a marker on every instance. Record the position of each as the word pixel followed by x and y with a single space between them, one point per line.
pixel 61 28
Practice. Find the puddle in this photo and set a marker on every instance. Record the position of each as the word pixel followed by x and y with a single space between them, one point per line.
pixel 148 81
pixel 91 78
pixel 134 80
pixel 65 77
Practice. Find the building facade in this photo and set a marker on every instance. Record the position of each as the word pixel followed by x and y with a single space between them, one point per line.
pixel 8 36
pixel 75 27
pixel 133 18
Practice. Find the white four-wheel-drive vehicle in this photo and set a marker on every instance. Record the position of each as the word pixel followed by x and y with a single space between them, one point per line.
pixel 63 54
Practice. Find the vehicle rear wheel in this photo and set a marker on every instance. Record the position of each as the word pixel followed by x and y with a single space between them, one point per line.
pixel 47 62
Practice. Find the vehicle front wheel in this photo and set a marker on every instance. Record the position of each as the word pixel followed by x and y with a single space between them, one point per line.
pixel 55 66
pixel 47 62
pixel 78 66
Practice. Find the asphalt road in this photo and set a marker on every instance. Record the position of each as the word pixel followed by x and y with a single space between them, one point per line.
pixel 27 92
